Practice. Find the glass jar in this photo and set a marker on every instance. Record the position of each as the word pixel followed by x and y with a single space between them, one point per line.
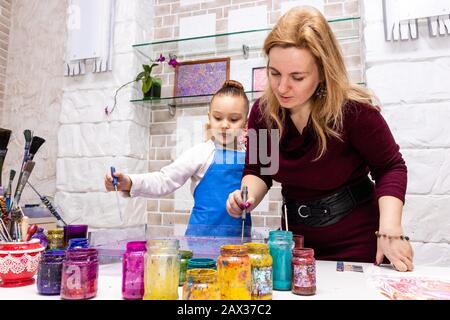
pixel 298 241
pixel 261 262
pixel 185 255
pixel 303 272
pixel 78 243
pixel 235 273
pixel 79 274
pixel 74 231
pixel 55 239
pixel 202 263
pixel 49 272
pixel 280 246
pixel 162 269
pixel 133 270
pixel 201 284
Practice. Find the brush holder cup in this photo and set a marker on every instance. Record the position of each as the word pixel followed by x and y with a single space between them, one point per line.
pixel 19 262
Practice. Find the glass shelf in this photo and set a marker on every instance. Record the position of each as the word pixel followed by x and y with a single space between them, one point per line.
pixel 187 100
pixel 232 42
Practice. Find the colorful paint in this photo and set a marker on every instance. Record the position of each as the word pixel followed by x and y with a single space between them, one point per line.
pixel 49 272
pixel 303 272
pixel 79 278
pixel 280 246
pixel 74 231
pixel 133 270
pixel 235 273
pixel 162 269
pixel 55 239
pixel 261 262
pixel 201 284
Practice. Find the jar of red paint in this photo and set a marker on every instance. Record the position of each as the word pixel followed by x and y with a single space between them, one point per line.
pixel 303 271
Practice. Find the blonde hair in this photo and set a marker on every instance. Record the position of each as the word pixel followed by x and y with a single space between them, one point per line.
pixel 307 28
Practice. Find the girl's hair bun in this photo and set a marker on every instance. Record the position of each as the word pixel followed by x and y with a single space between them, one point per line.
pixel 233 84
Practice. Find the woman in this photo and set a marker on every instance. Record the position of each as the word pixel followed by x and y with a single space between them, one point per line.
pixel 331 138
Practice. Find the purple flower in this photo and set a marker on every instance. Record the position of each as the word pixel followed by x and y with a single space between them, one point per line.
pixel 173 62
pixel 161 58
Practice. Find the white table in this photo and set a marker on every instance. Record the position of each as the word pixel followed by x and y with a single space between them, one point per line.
pixel 331 284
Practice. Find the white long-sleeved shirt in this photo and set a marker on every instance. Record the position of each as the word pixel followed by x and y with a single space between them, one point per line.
pixel 192 164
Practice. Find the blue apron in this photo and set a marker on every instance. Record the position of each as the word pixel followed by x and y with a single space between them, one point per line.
pixel 209 216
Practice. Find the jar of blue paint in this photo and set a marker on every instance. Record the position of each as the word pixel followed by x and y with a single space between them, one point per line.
pixel 281 244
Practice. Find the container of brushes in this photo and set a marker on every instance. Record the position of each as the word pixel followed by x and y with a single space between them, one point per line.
pixel 19 262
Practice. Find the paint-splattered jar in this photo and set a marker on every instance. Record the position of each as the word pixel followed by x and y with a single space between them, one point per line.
pixel 202 263
pixel 133 270
pixel 55 239
pixel 280 246
pixel 79 274
pixel 78 243
pixel 201 284
pixel 235 273
pixel 261 262
pixel 49 272
pixel 303 272
pixel 162 269
pixel 185 255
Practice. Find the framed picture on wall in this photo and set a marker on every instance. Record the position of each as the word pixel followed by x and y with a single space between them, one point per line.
pixel 259 78
pixel 200 77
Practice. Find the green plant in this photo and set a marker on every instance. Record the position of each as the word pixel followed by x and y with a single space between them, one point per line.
pixel 146 77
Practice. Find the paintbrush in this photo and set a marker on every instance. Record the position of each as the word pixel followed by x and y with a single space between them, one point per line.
pixel 5 134
pixel 115 182
pixel 36 143
pixel 48 204
pixel 29 165
pixel 244 211
pixel 12 174
pixel 28 137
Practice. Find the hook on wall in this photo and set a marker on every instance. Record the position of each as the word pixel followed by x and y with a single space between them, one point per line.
pixel 245 50
pixel 172 109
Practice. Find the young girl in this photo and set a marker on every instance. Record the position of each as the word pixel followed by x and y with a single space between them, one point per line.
pixel 214 167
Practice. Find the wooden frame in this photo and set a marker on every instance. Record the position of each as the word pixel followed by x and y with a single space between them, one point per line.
pixel 200 77
pixel 259 78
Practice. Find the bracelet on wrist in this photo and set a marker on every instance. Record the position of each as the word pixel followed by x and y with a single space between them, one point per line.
pixel 401 237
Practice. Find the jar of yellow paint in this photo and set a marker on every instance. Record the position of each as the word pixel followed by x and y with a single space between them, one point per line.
pixel 235 275
pixel 261 262
pixel 162 269
pixel 201 284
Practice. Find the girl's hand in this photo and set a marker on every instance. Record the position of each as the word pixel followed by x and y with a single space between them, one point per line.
pixel 124 182
pixel 398 251
pixel 235 205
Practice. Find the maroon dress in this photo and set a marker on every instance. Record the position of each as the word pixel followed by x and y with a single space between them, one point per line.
pixel 367 146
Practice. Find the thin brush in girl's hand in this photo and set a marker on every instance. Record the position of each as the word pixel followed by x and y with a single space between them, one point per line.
pixel 115 181
pixel 244 195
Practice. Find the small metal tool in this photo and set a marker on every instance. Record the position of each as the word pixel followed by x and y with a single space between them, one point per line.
pixel 115 181
pixel 244 195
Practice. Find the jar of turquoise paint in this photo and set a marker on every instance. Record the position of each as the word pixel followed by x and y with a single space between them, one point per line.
pixel 202 263
pixel 281 244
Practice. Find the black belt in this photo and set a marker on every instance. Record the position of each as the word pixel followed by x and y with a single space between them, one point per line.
pixel 330 209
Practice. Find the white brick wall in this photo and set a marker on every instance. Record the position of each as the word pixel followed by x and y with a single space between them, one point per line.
pixel 411 79
pixel 89 141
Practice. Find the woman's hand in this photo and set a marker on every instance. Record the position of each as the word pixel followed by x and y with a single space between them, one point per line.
pixel 235 204
pixel 398 251
pixel 124 182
